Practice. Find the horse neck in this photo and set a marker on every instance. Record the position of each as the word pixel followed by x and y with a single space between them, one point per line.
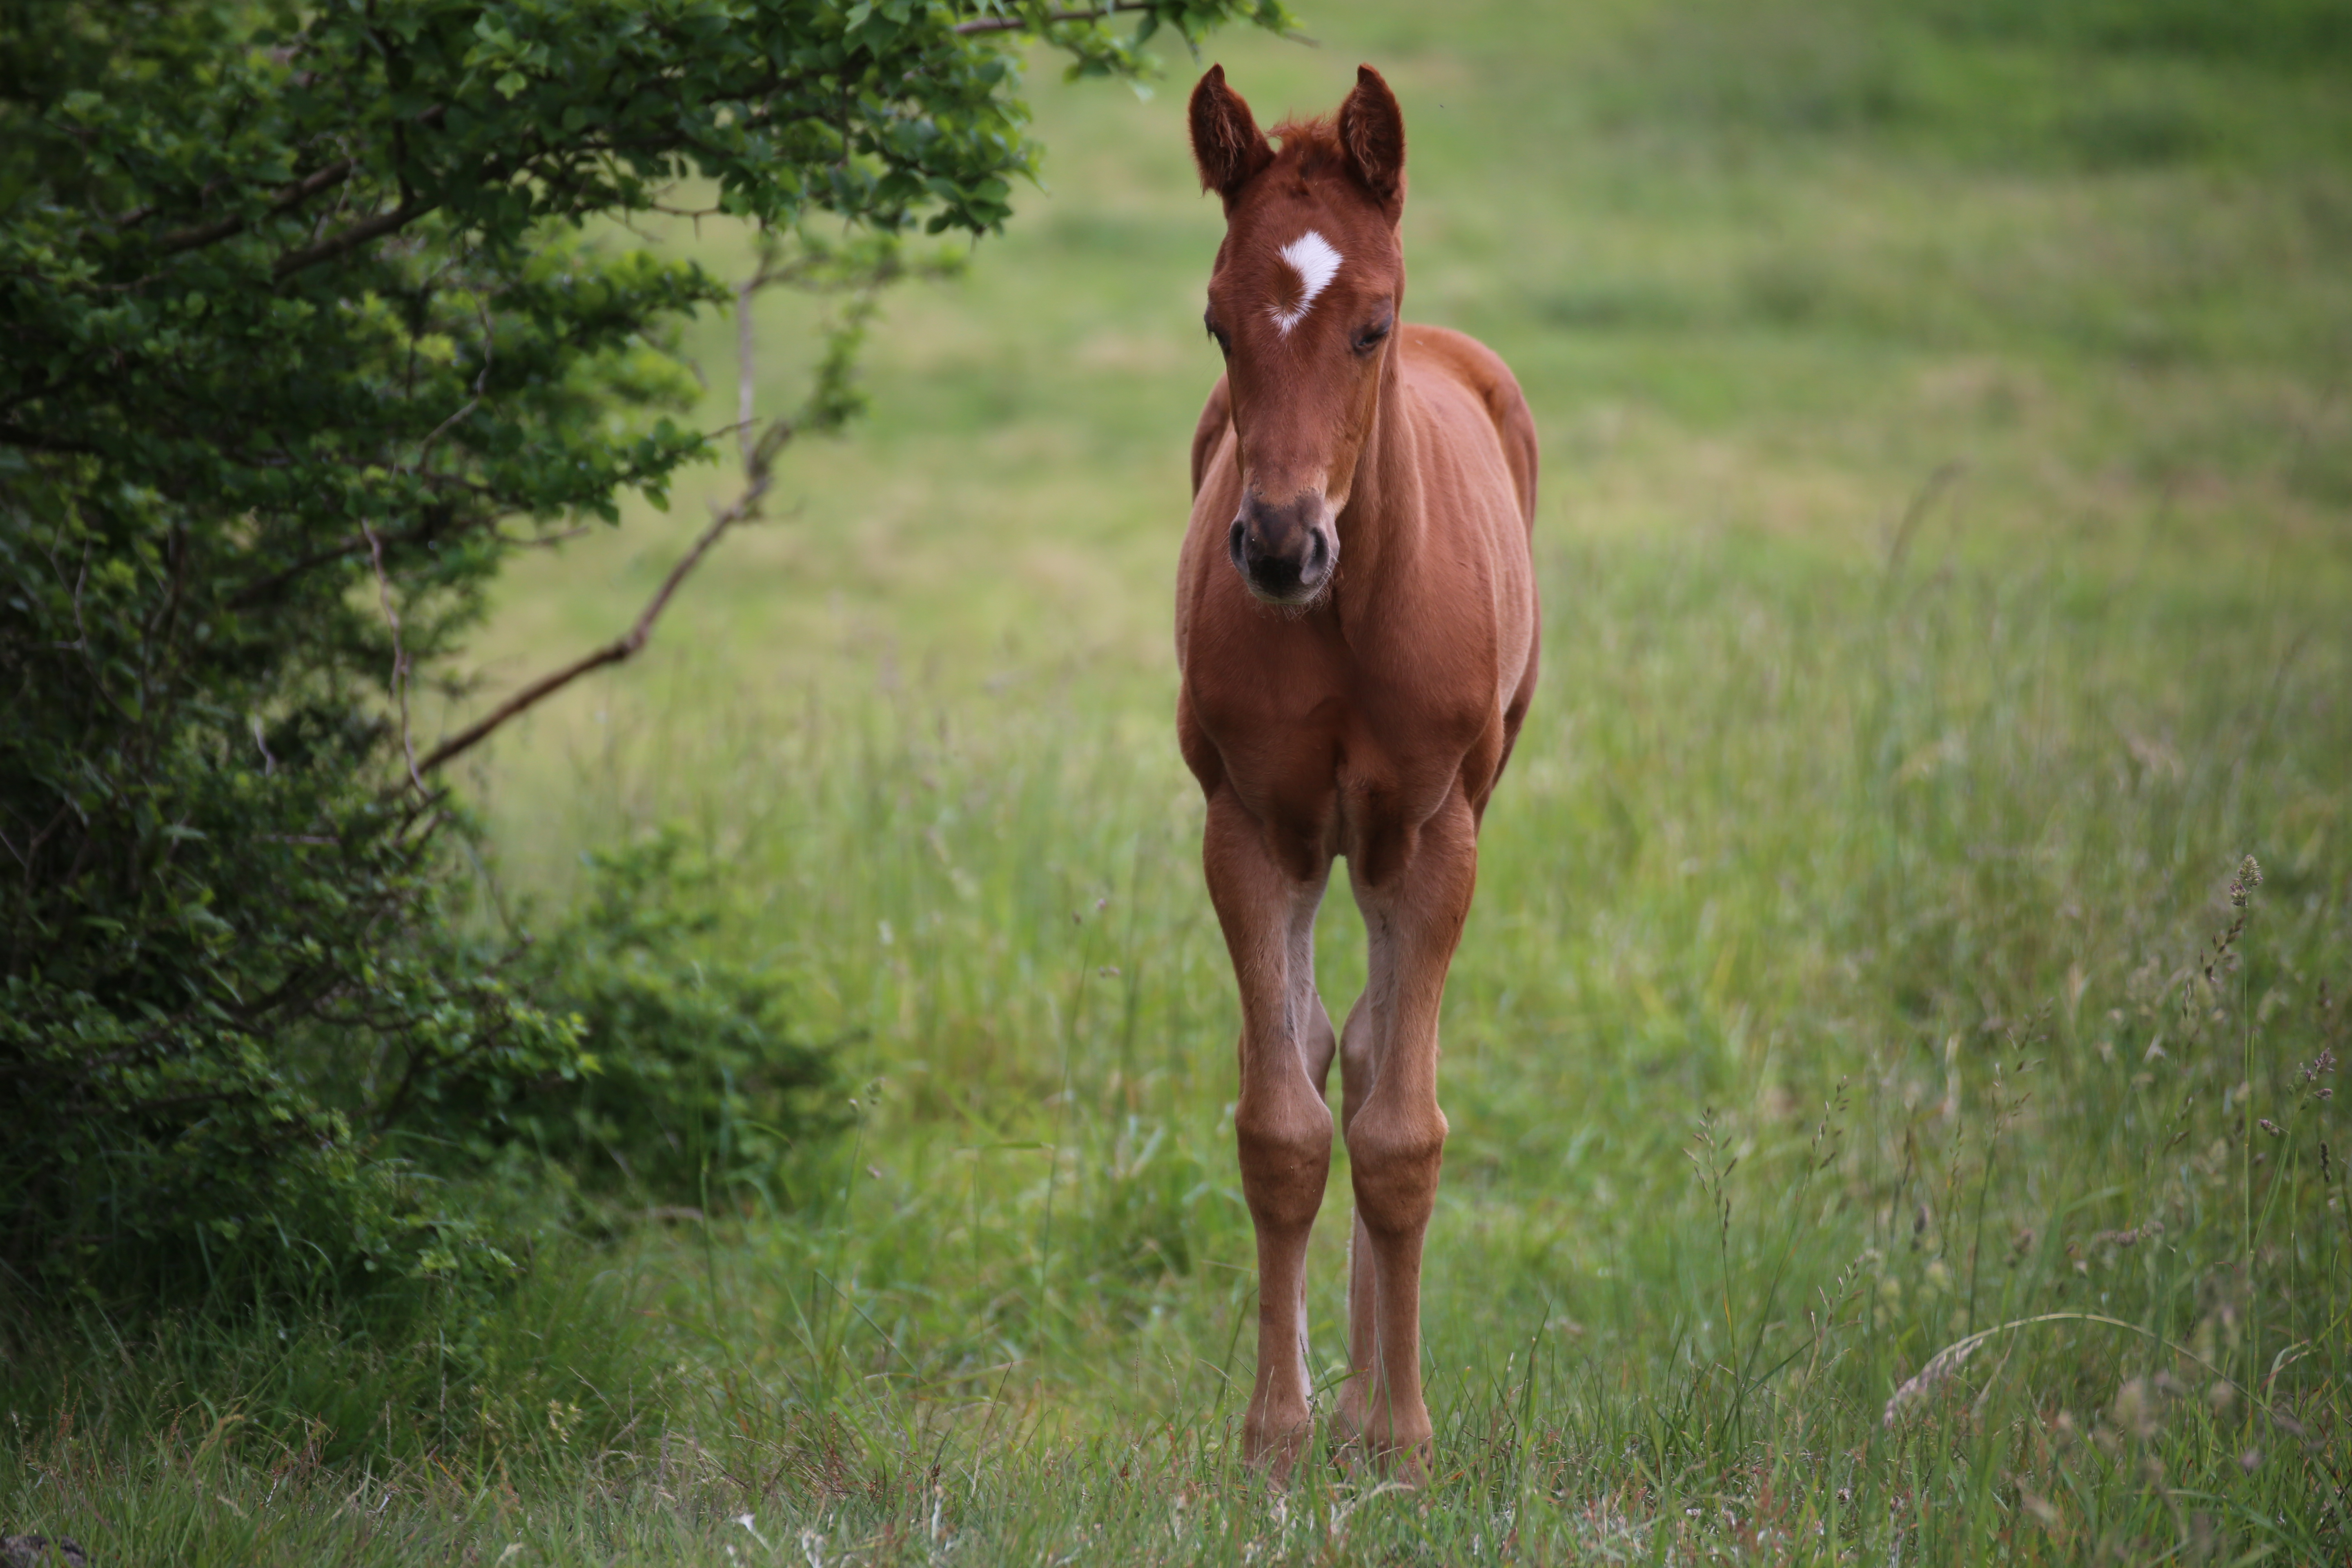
pixel 1381 530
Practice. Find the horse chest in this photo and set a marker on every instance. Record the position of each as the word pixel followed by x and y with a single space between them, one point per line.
pixel 1340 740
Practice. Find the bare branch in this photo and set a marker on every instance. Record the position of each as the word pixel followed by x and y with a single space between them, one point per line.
pixel 758 453
pixel 262 587
pixel 399 655
pixel 621 647
pixel 542 540
pixel 482 313
pixel 351 238
pixel 284 200
pixel 292 196
pixel 743 376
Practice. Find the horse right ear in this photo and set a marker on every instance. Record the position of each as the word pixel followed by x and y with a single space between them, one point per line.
pixel 1226 143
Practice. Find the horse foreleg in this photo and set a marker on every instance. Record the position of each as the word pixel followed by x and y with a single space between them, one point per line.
pixel 1281 1125
pixel 1395 1131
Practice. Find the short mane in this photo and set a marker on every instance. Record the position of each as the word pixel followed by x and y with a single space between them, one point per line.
pixel 1309 146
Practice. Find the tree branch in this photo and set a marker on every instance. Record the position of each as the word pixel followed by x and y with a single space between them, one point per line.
pixel 620 648
pixel 1014 24
pixel 759 470
pixel 285 199
pixel 291 196
pixel 399 656
pixel 353 237
pixel 260 588
pixel 744 380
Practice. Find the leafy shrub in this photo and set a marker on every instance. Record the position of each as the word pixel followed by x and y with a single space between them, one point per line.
pixel 695 1079
pixel 301 343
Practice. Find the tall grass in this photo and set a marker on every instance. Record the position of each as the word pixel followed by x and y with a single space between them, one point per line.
pixel 1864 1063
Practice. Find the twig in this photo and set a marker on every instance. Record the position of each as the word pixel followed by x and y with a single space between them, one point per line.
pixel 1922 500
pixel 34 441
pixel 286 200
pixel 399 655
pixel 743 376
pixel 1014 24
pixel 614 652
pixel 482 313
pixel 759 465
pixel 543 541
pixel 283 200
pixel 81 628
pixel 351 238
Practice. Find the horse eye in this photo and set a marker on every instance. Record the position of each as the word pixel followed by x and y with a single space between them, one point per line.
pixel 1370 338
pixel 1224 343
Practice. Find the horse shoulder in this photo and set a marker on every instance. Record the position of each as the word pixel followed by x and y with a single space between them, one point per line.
pixel 1481 370
pixel 1215 418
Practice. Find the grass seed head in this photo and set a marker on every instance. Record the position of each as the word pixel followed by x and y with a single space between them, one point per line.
pixel 2136 1408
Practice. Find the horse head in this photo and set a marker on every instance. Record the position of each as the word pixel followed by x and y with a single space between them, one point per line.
pixel 1303 301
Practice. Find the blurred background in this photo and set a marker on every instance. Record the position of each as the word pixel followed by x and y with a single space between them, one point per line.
pixel 1945 551
pixel 1947 578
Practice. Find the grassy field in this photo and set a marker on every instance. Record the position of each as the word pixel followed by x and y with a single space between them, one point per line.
pixel 1889 1123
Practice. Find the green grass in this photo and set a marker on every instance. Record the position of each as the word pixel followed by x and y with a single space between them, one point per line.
pixel 1947 554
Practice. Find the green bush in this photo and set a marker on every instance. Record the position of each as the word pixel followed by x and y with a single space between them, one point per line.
pixel 301 344
pixel 696 1082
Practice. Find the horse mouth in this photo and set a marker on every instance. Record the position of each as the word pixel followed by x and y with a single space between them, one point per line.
pixel 1294 577
pixel 1293 595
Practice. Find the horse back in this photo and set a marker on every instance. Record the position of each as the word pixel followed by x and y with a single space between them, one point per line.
pixel 1481 391
pixel 1479 370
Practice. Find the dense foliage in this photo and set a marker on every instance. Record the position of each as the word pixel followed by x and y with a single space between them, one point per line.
pixel 304 335
pixel 701 1081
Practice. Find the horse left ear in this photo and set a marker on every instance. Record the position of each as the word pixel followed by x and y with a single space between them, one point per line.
pixel 1371 128
pixel 1226 143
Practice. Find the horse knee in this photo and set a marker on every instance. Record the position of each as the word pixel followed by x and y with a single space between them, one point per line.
pixel 1393 1161
pixel 1285 1155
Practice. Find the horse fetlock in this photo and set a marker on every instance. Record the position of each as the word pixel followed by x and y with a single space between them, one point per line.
pixel 1274 1437
pixel 1398 1441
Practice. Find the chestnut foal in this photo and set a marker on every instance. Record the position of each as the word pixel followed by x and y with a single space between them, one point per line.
pixel 1356 623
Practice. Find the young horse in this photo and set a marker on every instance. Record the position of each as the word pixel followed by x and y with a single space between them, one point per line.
pixel 1356 623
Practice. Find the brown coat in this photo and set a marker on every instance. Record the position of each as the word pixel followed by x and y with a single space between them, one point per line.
pixel 1356 623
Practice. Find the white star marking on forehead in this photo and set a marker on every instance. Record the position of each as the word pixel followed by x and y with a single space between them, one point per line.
pixel 1311 257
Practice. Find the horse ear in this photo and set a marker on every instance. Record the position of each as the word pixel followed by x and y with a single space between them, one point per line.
pixel 1371 128
pixel 1226 143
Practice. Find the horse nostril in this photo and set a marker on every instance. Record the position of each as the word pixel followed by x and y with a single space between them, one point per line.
pixel 1236 538
pixel 1318 553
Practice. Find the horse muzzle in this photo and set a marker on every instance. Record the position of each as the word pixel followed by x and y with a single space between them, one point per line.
pixel 1286 553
